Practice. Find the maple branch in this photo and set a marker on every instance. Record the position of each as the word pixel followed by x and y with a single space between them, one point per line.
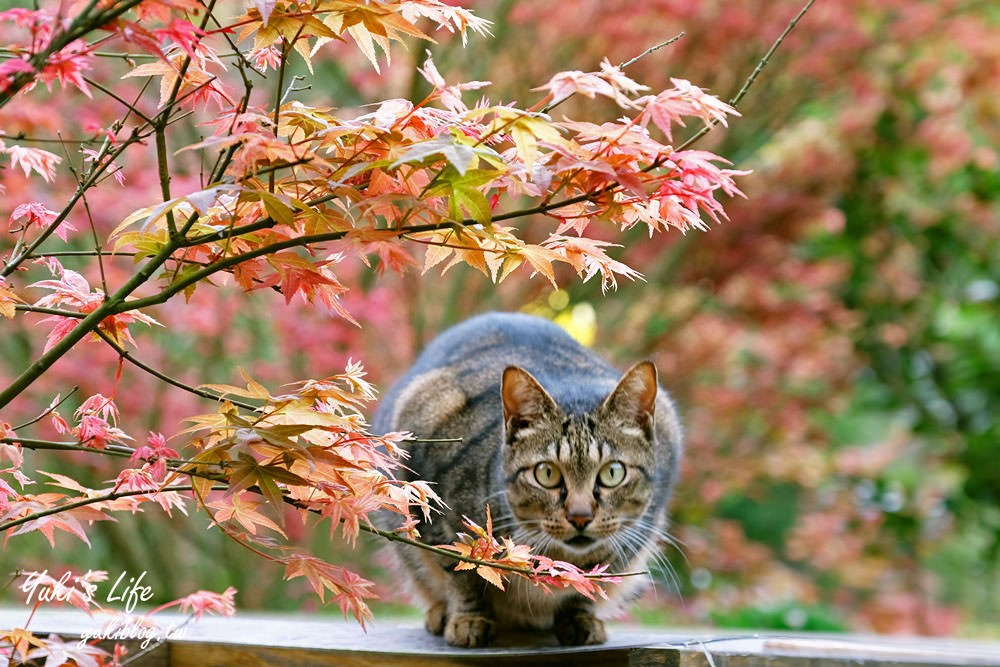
pixel 125 354
pixel 114 495
pixel 21 136
pixel 108 307
pixel 83 23
pixel 120 451
pixel 396 537
pixel 110 93
pixel 14 262
pixel 48 311
pixel 35 444
pixel 88 324
pixel 47 411
pixel 286 48
pixel 446 553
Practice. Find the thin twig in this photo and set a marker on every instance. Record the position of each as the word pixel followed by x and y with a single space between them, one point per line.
pixel 655 47
pixel 35 444
pixel 738 97
pixel 127 356
pixel 47 411
pixel 115 495
pixel 48 311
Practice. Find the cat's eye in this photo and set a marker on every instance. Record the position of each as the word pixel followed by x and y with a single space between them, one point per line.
pixel 548 475
pixel 611 474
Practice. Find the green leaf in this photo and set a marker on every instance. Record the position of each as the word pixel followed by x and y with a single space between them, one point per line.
pixel 464 195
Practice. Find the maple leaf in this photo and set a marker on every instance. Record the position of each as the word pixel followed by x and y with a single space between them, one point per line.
pixel 73 289
pixel 67 66
pixel 56 651
pixel 464 193
pixel 610 82
pixel 242 509
pixel 684 99
pixel 368 25
pixel 482 546
pixel 156 453
pixel 161 11
pixel 198 86
pixel 276 24
pixel 540 258
pixel 184 34
pixel 264 9
pixel 68 520
pixel 11 68
pixel 32 213
pixel 453 18
pixel 21 641
pixel 548 571
pixel 348 588
pixel 96 432
pixel 457 154
pixel 312 280
pixel 587 256
pixel 266 58
pixel 40 161
pixel 526 129
pixel 8 300
pixel 450 96
pixel 210 602
pixel 391 255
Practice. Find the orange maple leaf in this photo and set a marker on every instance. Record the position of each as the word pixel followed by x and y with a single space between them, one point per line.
pixel 21 641
pixel 242 509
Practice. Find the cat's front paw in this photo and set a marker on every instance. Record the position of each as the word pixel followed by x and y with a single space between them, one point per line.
pixel 469 630
pixel 435 617
pixel 580 629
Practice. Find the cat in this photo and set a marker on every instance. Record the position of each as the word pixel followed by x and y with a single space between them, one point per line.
pixel 573 459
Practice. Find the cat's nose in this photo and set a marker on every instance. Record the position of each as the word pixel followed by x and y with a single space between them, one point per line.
pixel 580 520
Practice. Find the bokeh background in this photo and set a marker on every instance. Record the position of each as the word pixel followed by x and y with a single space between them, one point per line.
pixel 834 347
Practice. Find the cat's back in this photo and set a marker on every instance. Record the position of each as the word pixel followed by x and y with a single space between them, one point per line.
pixel 460 370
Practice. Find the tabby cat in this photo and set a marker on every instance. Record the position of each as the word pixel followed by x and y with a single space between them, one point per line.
pixel 572 458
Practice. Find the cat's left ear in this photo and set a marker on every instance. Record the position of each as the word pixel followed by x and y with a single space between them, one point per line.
pixel 634 399
pixel 524 401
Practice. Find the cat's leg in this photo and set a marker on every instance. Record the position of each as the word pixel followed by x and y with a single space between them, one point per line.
pixel 576 624
pixel 469 621
pixel 436 617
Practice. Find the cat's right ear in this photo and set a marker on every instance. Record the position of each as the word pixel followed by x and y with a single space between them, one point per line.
pixel 524 401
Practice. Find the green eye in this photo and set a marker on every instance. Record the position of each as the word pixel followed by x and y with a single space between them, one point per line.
pixel 548 475
pixel 611 474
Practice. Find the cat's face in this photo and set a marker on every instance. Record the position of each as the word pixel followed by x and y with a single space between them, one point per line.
pixel 577 483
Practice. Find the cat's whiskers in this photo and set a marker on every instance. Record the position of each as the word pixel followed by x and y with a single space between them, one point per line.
pixel 662 534
pixel 614 540
pixel 656 558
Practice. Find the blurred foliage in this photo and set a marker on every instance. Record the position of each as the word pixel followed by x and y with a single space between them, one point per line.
pixel 787 616
pixel 835 346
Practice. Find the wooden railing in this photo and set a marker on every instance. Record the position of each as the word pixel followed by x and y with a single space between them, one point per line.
pixel 305 641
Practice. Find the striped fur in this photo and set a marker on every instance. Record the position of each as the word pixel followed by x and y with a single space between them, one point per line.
pixel 520 392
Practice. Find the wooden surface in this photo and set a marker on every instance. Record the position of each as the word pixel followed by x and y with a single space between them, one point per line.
pixel 304 641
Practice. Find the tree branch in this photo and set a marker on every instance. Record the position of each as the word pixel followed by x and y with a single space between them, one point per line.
pixel 127 356
pixel 741 93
